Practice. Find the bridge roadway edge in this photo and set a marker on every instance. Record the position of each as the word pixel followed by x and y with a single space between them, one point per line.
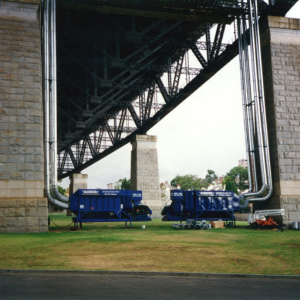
pixel 149 274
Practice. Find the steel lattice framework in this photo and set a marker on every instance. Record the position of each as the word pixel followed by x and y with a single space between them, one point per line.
pixel 124 65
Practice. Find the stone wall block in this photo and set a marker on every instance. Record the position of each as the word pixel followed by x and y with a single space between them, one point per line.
pixel 10 222
pixel 31 222
pixel 20 212
pixel 293 216
pixel 21 222
pixel 42 203
pixel 42 211
pixel 31 203
pixel 31 211
pixel 10 212
pixel 43 222
pixel 290 207
pixel 293 200
pixel 5 203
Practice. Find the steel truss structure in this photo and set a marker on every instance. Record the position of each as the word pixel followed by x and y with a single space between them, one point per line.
pixel 124 65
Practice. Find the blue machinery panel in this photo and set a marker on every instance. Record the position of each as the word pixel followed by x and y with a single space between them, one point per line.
pixel 108 206
pixel 201 205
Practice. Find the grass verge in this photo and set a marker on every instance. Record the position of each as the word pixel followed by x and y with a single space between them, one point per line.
pixel 110 246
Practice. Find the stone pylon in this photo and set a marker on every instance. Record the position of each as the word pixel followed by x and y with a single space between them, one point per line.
pixel 144 171
pixel 280 39
pixel 23 207
pixel 78 181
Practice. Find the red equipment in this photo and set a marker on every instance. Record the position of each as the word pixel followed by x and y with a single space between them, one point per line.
pixel 266 224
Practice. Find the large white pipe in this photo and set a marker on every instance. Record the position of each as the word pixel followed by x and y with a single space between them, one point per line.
pixel 53 105
pixel 260 111
pixel 250 114
pixel 46 56
pixel 244 100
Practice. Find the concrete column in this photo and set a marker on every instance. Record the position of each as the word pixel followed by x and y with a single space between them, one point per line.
pixel 23 207
pixel 281 66
pixel 144 171
pixel 78 181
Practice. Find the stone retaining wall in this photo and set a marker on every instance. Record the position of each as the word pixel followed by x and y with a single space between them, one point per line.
pixel 24 215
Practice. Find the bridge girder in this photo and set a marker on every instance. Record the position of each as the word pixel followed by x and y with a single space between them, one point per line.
pixel 113 61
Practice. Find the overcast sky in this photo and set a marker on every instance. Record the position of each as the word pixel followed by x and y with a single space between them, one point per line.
pixel 204 132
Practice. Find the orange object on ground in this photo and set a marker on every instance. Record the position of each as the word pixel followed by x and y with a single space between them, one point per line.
pixel 263 224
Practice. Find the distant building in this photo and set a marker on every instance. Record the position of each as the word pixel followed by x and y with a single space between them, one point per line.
pixel 216 185
pixel 113 186
pixel 243 163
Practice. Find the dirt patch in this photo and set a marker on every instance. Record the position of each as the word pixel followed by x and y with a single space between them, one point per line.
pixel 61 230
pixel 294 246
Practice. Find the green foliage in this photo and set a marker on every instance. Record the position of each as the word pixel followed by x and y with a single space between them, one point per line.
pixel 61 190
pixel 210 176
pixel 230 185
pixel 124 184
pixel 239 175
pixel 236 179
pixel 189 181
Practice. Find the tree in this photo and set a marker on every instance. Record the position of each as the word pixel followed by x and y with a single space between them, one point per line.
pixel 210 176
pixel 189 181
pixel 236 179
pixel 124 184
pixel 239 175
pixel 230 185
pixel 61 190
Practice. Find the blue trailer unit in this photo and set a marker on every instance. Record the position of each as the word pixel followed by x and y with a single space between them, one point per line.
pixel 201 205
pixel 173 212
pixel 214 205
pixel 97 205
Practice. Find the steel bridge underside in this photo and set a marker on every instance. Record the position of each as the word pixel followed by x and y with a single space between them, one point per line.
pixel 124 65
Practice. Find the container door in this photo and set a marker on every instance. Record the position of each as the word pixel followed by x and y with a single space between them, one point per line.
pixel 203 201
pixel 219 202
pixel 214 204
pixel 225 203
pixel 189 201
pixel 208 203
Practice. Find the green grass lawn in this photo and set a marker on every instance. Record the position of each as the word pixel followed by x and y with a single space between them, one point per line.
pixel 159 247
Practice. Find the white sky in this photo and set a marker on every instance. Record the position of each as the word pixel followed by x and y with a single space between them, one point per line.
pixel 204 132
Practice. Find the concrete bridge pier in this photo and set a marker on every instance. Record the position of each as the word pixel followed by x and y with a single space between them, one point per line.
pixel 23 207
pixel 280 38
pixel 78 181
pixel 144 171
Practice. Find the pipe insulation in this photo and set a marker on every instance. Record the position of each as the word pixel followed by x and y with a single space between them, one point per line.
pixel 46 92
pixel 53 105
pixel 259 105
pixel 244 100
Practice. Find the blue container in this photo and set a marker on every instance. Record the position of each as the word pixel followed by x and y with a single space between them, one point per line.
pixel 174 211
pixel 97 205
pixel 201 205
pixel 189 201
